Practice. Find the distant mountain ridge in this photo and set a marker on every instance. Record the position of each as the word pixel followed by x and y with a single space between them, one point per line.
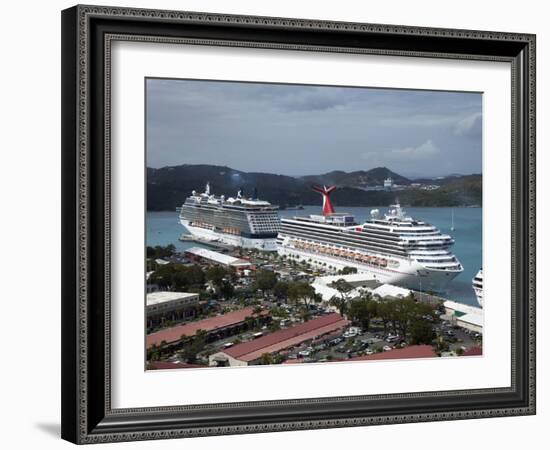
pixel 168 187
pixel 358 179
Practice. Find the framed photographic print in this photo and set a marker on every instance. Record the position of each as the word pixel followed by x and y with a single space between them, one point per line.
pixel 280 224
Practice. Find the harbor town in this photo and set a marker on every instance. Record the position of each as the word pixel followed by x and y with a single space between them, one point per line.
pixel 219 306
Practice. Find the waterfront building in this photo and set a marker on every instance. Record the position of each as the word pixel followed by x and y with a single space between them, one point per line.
pixel 203 254
pixel 249 353
pixel 410 352
pixel 361 283
pixel 216 327
pixel 161 306
pixel 464 316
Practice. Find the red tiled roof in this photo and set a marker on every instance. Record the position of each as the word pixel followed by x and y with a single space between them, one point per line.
pixel 474 351
pixel 174 334
pixel 283 339
pixel 158 365
pixel 414 351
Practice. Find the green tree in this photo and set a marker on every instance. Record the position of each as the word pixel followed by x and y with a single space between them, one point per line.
pixel 226 289
pixel 265 280
pixel 279 312
pixel 177 276
pixel 363 310
pixel 301 292
pixel 348 270
pixel 161 252
pixel 194 346
pixel 384 311
pixel 266 358
pixel 441 344
pixel 153 353
pixel 280 290
pixel 215 274
pixel 422 332
pixel 339 303
pixel 344 289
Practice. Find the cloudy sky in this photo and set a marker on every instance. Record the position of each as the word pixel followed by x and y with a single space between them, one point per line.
pixel 303 130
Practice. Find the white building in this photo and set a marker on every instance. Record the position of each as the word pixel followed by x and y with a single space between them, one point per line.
pixel 389 290
pixel 465 316
pixel 218 258
pixel 361 282
pixel 161 306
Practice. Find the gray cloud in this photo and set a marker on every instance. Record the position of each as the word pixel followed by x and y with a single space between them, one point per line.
pixel 295 129
pixel 470 126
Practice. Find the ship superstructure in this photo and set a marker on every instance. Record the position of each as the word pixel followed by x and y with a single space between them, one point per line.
pixel 477 284
pixel 237 221
pixel 394 248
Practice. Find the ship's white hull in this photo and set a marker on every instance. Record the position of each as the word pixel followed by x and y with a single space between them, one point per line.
pixel 410 274
pixel 479 295
pixel 269 245
pixel 477 285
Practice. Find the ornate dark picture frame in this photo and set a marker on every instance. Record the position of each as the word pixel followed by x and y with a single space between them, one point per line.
pixel 87 34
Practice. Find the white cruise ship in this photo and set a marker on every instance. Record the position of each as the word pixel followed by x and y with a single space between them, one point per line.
pixel 393 247
pixel 240 222
pixel 477 284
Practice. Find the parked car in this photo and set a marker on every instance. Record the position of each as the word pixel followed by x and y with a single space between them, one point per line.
pixel 349 334
pixel 387 348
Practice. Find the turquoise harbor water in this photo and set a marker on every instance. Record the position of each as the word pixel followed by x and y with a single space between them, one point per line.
pixel 163 228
